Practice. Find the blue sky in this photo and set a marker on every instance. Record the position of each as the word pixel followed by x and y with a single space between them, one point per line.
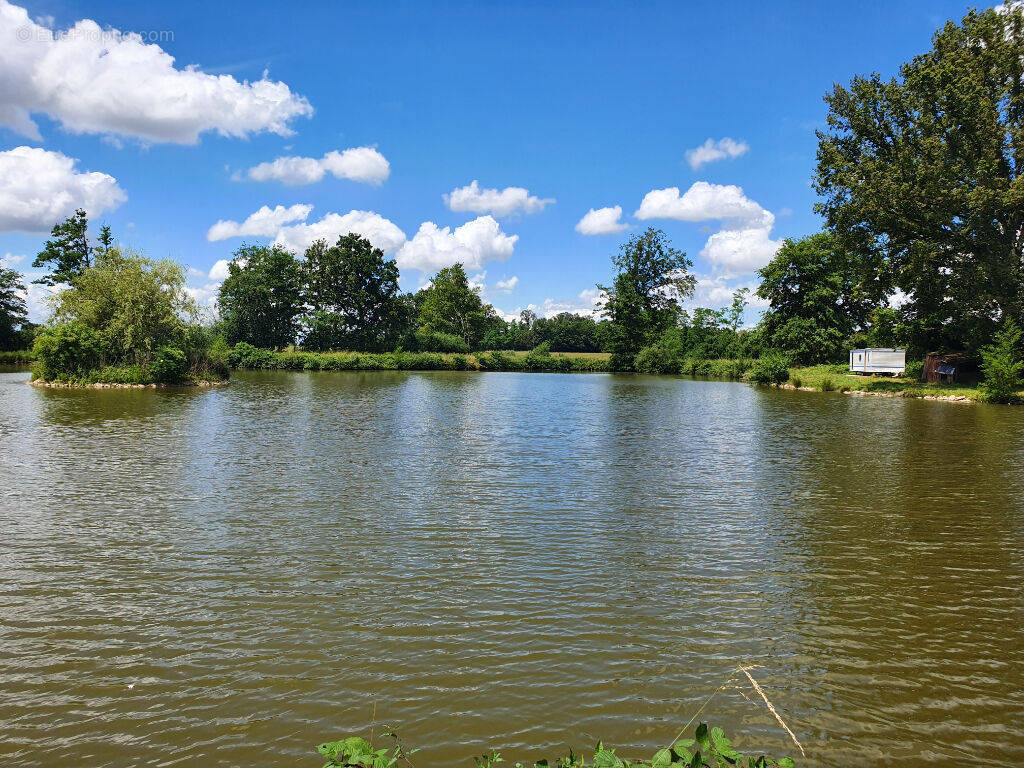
pixel 589 105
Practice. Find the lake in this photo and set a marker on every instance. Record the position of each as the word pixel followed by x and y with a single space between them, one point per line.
pixel 520 561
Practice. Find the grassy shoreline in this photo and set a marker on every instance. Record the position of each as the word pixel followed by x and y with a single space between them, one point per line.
pixel 820 378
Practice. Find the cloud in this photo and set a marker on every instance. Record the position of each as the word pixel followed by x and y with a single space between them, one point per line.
pixel 712 150
pixel 740 251
pixel 742 246
pixel 10 260
pixel 716 291
pixel 701 202
pixel 103 81
pixel 473 244
pixel 38 188
pixel 496 202
pixel 587 303
pixel 266 222
pixel 364 164
pixel 507 285
pixel 219 271
pixel 381 232
pixel 602 221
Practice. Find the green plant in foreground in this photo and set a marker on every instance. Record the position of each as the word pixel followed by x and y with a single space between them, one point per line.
pixel 709 748
pixel 770 368
pixel 1003 366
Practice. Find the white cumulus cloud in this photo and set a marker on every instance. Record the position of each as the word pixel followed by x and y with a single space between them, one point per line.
pixel 587 303
pixel 382 233
pixel 701 202
pixel 742 246
pixel 103 81
pixel 266 222
pixel 473 244
pixel 363 164
pixel 712 150
pixel 497 202
pixel 38 188
pixel 507 285
pixel 602 221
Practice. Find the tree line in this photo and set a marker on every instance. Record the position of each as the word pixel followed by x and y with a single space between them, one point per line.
pixel 922 246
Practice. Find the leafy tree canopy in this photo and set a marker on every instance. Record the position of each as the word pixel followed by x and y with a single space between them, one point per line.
pixel 921 177
pixel 13 311
pixel 449 305
pixel 353 292
pixel 261 299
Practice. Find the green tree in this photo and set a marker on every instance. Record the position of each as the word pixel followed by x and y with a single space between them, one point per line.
pixel 67 253
pixel 353 292
pixel 652 281
pixel 450 306
pixel 260 301
pixel 1003 365
pixel 132 303
pixel 814 290
pixel 920 175
pixel 13 311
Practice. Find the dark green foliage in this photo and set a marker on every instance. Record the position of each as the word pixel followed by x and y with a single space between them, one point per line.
pixel 353 292
pixel 67 253
pixel 644 301
pixel 920 176
pixel 13 312
pixel 67 351
pixel 1003 365
pixel 816 302
pixel 914 370
pixel 120 374
pixel 709 748
pixel 17 357
pixel 261 299
pixel 656 359
pixel 435 341
pixel 169 365
pixel 450 306
pixel 770 368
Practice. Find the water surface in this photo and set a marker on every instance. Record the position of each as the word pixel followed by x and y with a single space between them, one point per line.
pixel 523 561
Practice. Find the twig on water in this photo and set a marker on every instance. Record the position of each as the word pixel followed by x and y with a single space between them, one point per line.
pixel 771 709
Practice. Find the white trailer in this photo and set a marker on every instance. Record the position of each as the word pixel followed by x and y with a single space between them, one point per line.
pixel 892 361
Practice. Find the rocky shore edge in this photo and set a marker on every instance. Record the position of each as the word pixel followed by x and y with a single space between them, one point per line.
pixel 903 394
pixel 72 385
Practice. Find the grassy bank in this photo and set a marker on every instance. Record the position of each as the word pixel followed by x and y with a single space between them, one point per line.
pixel 248 357
pixel 17 357
pixel 837 378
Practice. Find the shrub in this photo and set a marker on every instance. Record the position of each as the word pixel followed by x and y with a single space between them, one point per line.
pixel 655 360
pixel 827 384
pixel 67 351
pixel 121 374
pixel 795 380
pixel 915 370
pixel 1002 365
pixel 435 341
pixel 169 365
pixel 542 350
pixel 245 355
pixel 770 368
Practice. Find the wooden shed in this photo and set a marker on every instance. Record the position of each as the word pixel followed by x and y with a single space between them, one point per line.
pixel 949 367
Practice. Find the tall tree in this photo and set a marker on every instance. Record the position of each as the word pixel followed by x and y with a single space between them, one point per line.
pixel 921 175
pixel 261 299
pixel 67 253
pixel 13 311
pixel 646 297
pixel 353 292
pixel 815 299
pixel 449 305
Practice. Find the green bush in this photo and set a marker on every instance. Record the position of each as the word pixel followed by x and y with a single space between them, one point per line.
pixel 67 351
pixel 827 384
pixel 1003 366
pixel 435 341
pixel 770 368
pixel 17 357
pixel 169 365
pixel 795 380
pixel 121 374
pixel 656 360
pixel 914 370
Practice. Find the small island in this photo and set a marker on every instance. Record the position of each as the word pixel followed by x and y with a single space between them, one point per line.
pixel 120 319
